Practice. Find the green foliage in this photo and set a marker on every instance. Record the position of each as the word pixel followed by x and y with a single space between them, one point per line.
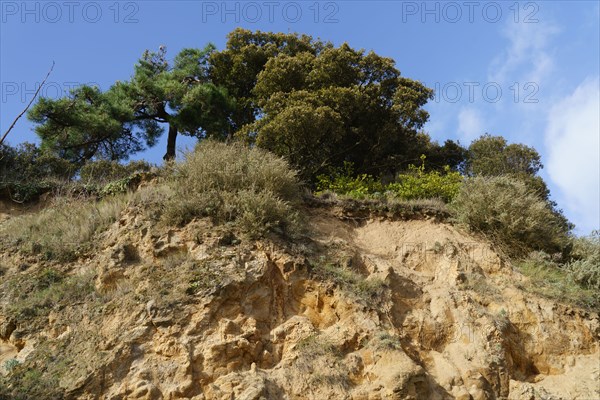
pixel 492 156
pixel 316 104
pixel 343 181
pixel 28 160
pixel 64 230
pixel 414 184
pixel 246 53
pixel 10 364
pixel 510 212
pixel 105 171
pixel 450 154
pixel 127 117
pixel 88 123
pixel 27 171
pixel 322 105
pixel 233 183
pixel 418 184
pixel 119 186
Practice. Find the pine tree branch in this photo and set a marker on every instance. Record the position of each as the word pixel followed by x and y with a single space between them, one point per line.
pixel 28 105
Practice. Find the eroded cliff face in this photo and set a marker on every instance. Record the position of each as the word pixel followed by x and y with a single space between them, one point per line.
pixel 415 310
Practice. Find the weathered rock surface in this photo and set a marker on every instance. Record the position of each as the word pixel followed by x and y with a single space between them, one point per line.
pixel 193 313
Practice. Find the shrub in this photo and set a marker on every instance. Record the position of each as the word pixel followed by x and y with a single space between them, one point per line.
pixel 418 184
pixel 26 171
pixel 234 183
pixel 29 161
pixel 25 384
pixel 322 362
pixel 351 282
pixel 585 265
pixel 512 213
pixel 342 181
pixel 64 230
pixel 385 341
pixel 414 184
pixel 104 171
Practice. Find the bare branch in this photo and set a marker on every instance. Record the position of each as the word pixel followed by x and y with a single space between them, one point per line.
pixel 28 105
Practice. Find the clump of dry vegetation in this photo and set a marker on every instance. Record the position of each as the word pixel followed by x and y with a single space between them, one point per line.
pixel 562 282
pixel 64 230
pixel 511 213
pixel 249 187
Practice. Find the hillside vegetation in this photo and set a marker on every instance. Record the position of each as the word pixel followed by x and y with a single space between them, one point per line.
pixel 315 244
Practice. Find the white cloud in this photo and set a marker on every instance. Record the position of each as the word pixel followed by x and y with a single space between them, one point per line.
pixel 573 153
pixel 470 124
pixel 527 57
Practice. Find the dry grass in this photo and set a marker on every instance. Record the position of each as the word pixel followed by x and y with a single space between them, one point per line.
pixel 387 206
pixel 351 282
pixel 249 187
pixel 585 265
pixel 550 280
pixel 322 362
pixel 512 214
pixel 64 230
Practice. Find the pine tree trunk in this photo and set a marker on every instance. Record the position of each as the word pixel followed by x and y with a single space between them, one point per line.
pixel 171 143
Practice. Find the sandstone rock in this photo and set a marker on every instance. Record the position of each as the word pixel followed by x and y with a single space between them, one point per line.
pixel 267 328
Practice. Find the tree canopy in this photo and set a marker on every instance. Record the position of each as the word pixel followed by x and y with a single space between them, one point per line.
pixel 493 156
pixel 129 116
pixel 314 103
pixel 236 68
pixel 322 107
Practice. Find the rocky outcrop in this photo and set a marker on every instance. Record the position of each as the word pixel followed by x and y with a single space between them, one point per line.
pixel 197 313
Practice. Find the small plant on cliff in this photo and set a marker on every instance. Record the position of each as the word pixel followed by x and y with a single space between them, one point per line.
pixel 385 341
pixel 553 280
pixel 350 281
pixel 322 362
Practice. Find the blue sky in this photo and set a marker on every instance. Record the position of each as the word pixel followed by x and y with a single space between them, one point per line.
pixel 528 71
